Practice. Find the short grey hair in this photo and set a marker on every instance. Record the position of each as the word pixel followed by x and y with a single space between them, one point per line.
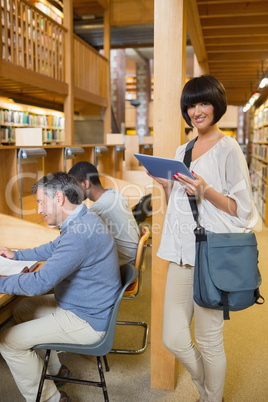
pixel 60 181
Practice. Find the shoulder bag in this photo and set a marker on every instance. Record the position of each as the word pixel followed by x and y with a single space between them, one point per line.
pixel 226 273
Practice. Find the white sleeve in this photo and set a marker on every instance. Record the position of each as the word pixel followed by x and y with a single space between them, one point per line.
pixel 239 188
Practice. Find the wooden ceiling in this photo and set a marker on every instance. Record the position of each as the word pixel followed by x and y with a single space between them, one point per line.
pixel 89 7
pixel 230 37
pixel 235 35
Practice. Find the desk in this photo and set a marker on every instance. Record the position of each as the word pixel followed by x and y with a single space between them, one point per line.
pixel 6 306
pixel 131 191
pixel 19 234
pixel 7 302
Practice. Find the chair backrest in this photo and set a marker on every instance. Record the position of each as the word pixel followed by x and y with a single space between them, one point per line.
pixel 128 274
pixel 133 289
pixel 143 208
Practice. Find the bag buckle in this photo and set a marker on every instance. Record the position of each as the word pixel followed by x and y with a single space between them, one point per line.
pixel 200 233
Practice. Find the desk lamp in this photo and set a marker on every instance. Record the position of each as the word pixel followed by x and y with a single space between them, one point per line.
pixel 25 153
pixel 117 149
pixel 148 146
pixel 97 151
pixel 69 151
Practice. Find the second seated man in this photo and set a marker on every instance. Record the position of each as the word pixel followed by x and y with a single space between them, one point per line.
pixel 112 207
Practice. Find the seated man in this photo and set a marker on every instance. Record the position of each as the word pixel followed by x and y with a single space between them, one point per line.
pixel 82 267
pixel 113 209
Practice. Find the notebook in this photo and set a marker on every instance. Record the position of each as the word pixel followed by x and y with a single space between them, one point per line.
pixel 11 267
pixel 163 167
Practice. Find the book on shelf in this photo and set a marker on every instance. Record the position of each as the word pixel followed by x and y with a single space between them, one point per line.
pixel 11 267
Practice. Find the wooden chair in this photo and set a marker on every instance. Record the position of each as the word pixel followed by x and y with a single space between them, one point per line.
pixel 133 291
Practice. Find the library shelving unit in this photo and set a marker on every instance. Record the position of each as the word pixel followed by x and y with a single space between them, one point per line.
pixel 130 111
pixel 34 168
pixel 131 87
pixel 259 160
pixel 31 40
pixel 14 116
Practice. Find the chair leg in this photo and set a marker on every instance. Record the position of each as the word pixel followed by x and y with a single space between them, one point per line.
pixel 41 384
pixel 106 363
pixel 103 383
pixel 145 338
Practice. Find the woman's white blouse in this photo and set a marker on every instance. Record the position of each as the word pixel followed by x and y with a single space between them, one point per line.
pixel 224 168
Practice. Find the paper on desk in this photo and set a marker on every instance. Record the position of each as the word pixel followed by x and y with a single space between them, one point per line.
pixel 11 267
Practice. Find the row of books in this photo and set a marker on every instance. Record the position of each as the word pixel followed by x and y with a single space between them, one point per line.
pixel 26 118
pixel 258 184
pixel 53 135
pixel 8 135
pixel 260 151
pixel 261 134
pixel 259 168
pixel 42 40
pixel 261 118
pixel 259 202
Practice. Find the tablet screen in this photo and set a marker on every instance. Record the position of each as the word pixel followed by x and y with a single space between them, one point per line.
pixel 163 167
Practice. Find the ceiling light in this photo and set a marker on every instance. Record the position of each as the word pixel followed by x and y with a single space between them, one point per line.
pixel 264 82
pixel 251 101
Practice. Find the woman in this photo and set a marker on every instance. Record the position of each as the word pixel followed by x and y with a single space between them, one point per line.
pixel 222 187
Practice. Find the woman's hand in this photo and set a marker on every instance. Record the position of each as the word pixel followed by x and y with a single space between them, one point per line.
pixel 165 183
pixel 200 187
pixel 7 253
pixel 191 186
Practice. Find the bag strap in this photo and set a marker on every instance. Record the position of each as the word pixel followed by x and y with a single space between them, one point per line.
pixel 187 161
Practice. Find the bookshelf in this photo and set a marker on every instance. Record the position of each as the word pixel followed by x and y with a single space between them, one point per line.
pixel 31 39
pixel 54 9
pixel 131 86
pixel 34 168
pixel 259 160
pixel 14 115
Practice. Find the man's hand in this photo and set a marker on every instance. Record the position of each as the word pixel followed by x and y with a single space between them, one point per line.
pixel 7 253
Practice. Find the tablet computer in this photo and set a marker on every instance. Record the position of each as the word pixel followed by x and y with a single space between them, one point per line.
pixel 163 167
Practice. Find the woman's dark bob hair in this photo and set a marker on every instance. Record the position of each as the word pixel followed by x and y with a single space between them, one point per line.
pixel 204 89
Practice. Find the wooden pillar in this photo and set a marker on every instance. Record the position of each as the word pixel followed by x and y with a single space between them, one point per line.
pixel 197 40
pixel 69 72
pixel 106 48
pixel 200 68
pixel 169 79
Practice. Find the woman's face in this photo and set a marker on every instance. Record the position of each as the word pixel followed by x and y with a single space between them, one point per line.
pixel 201 115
